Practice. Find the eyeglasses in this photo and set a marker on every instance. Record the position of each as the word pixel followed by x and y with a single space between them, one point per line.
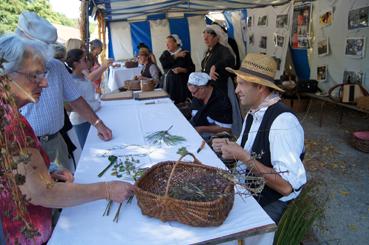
pixel 35 77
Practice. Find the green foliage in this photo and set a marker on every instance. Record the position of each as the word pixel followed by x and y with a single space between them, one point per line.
pixel 11 9
pixel 299 216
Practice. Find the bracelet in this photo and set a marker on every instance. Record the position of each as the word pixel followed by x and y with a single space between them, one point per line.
pixel 107 191
pixel 97 122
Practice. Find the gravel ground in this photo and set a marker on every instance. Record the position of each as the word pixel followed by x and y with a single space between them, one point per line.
pixel 343 173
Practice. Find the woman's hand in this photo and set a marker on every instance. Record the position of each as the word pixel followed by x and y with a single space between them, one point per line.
pixel 213 74
pixel 119 191
pixel 62 176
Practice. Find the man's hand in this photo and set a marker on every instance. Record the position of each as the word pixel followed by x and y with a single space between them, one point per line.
pixel 232 150
pixel 103 131
pixel 213 74
pixel 217 144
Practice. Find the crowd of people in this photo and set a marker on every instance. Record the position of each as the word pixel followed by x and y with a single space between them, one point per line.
pixel 54 87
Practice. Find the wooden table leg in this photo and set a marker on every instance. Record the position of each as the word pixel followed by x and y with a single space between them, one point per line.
pixel 321 113
pixel 341 116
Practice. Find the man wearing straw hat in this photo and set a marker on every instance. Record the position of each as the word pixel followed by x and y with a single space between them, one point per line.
pixel 271 144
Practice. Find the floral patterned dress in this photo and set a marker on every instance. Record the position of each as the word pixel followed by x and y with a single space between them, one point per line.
pixel 39 217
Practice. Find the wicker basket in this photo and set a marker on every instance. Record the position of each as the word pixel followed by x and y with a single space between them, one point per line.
pixel 147 85
pixel 131 64
pixel 155 190
pixel 132 85
pixel 363 103
pixel 360 140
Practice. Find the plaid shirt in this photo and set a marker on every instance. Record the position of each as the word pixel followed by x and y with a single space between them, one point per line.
pixel 47 116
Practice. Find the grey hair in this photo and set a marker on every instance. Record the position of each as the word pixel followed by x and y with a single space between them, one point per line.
pixel 96 43
pixel 60 51
pixel 14 49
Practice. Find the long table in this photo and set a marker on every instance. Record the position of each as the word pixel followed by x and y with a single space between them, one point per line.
pixel 118 75
pixel 130 121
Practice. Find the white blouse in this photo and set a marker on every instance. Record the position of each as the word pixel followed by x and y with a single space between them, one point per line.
pixel 87 91
pixel 286 139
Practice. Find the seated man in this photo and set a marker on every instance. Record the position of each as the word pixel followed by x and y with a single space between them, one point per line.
pixel 211 109
pixel 149 70
pixel 272 140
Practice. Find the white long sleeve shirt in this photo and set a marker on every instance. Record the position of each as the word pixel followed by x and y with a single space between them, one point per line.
pixel 286 139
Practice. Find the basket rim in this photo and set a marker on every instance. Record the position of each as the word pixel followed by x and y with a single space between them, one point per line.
pixel 228 188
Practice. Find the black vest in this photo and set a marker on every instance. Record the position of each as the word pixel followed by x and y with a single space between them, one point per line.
pixel 146 70
pixel 261 146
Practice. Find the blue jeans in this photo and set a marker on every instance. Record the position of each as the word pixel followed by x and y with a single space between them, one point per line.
pixel 82 131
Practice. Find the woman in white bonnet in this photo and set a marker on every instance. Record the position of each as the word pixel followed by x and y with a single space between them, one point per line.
pixel 218 56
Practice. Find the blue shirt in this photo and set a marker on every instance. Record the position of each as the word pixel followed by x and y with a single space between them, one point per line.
pixel 47 116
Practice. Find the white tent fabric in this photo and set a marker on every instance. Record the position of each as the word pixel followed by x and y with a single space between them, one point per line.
pixel 270 31
pixel 121 40
pixel 126 9
pixel 159 31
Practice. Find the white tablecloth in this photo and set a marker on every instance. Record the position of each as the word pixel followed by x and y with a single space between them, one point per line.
pixel 117 76
pixel 130 121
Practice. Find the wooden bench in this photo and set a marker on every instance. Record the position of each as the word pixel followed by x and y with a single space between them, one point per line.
pixel 326 99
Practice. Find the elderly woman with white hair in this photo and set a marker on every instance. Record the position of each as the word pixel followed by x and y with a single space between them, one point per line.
pixel 218 56
pixel 24 166
pixel 177 65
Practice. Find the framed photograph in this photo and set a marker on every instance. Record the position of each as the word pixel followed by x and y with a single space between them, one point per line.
pixel 278 40
pixel 353 77
pixel 263 20
pixel 263 42
pixel 355 47
pixel 281 21
pixel 321 73
pixel 278 61
pixel 249 21
pixel 358 18
pixel 326 18
pixel 251 39
pixel 301 24
pixel 323 47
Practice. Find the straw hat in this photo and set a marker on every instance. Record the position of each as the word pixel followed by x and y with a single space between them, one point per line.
pixel 258 68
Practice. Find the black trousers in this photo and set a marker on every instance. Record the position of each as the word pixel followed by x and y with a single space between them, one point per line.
pixel 275 210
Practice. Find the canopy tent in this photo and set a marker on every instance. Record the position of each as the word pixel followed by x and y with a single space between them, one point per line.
pixel 127 10
pixel 151 21
pixel 130 22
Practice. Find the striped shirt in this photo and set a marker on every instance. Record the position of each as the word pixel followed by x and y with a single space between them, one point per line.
pixel 47 116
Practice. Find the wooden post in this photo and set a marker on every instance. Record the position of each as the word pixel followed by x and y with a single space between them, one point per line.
pixel 84 23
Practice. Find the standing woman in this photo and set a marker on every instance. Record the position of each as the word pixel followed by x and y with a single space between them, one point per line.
pixel 96 69
pixel 28 191
pixel 218 56
pixel 77 60
pixel 177 65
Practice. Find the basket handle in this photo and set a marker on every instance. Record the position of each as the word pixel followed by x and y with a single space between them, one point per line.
pixel 195 161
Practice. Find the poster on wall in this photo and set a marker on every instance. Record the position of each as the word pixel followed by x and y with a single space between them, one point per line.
pixel 353 77
pixel 321 73
pixel 263 21
pixel 249 21
pixel 355 47
pixel 323 47
pixel 301 26
pixel 281 21
pixel 278 40
pixel 326 17
pixel 358 18
pixel 251 39
pixel 263 42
